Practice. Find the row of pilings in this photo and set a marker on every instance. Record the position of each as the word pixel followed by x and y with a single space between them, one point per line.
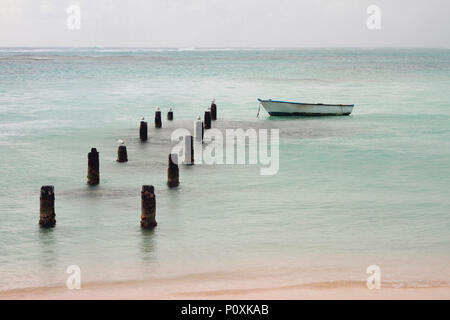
pixel 47 218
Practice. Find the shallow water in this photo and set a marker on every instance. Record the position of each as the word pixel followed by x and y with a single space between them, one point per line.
pixel 353 191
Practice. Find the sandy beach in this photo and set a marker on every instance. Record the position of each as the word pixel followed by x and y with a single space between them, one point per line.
pixel 138 290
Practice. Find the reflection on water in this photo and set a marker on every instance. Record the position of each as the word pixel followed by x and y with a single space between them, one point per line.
pixel 47 243
pixel 148 245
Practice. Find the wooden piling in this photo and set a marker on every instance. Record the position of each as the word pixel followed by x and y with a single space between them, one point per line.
pixel 158 122
pixel 188 150
pixel 213 110
pixel 198 130
pixel 122 154
pixel 173 179
pixel 170 115
pixel 47 207
pixel 207 119
pixel 192 149
pixel 93 176
pixel 148 207
pixel 143 131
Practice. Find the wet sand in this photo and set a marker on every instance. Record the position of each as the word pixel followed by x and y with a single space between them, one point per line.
pixel 162 291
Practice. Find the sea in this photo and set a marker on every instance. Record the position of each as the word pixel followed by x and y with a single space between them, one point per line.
pixel 369 189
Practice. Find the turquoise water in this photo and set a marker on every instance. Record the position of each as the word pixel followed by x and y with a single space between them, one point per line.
pixel 372 188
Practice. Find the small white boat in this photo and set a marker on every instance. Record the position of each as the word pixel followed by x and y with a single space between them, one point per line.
pixel 287 108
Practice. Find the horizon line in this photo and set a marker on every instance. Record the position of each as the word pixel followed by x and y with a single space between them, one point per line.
pixel 229 47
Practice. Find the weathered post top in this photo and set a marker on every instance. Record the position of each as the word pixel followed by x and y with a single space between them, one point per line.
pixel 148 188
pixel 48 192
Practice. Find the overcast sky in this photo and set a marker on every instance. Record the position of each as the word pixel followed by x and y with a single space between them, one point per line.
pixel 225 23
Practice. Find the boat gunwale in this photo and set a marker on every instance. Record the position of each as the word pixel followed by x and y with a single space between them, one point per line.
pixel 310 104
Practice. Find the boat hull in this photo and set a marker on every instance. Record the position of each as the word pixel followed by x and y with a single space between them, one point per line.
pixel 285 108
